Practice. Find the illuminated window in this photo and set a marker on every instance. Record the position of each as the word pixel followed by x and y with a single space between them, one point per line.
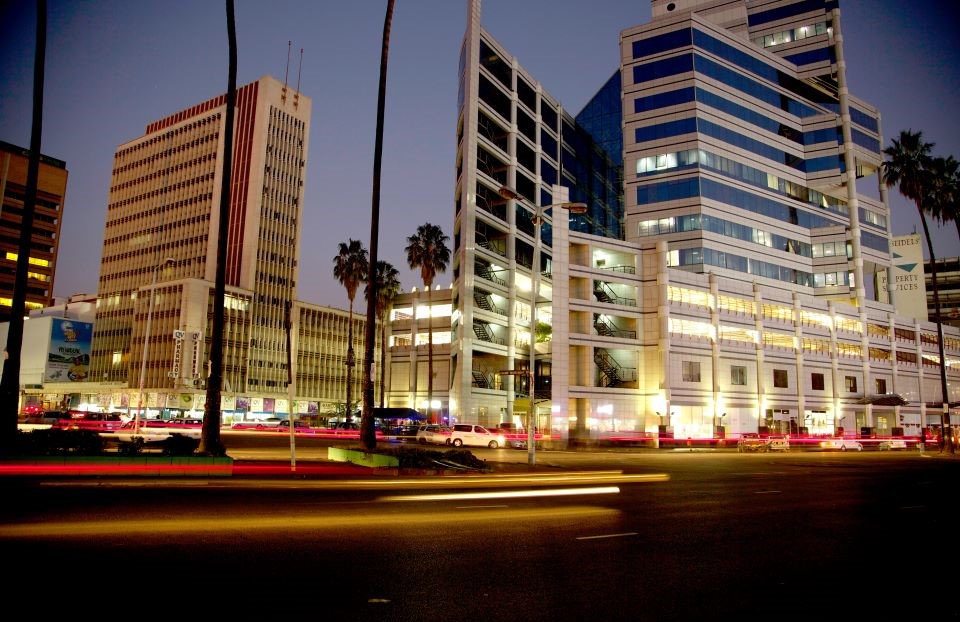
pixel 881 385
pixel 851 382
pixel 777 312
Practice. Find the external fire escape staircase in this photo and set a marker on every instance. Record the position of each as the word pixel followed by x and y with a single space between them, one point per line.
pixel 611 370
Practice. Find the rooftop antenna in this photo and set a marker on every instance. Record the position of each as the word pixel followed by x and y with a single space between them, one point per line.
pixel 296 96
pixel 283 96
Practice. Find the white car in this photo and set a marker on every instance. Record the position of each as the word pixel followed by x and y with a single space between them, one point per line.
pixel 842 444
pixel 433 434
pixel 475 435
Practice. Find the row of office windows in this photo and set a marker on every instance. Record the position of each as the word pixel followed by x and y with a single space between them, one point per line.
pixel 697 125
pixel 701 186
pixel 689 94
pixel 704 222
pixel 684 63
pixel 793 34
pixel 689 158
pixel 690 372
pixel 746 265
pixel 790 10
pixel 752 64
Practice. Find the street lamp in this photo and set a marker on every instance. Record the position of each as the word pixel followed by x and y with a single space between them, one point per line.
pixel 146 343
pixel 538 214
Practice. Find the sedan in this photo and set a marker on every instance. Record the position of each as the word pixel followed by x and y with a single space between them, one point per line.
pixel 841 444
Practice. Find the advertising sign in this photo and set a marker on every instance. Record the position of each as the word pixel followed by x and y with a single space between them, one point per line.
pixel 908 286
pixel 68 359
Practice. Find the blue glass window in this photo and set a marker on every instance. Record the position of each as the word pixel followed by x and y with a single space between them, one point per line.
pixel 549 116
pixel 874 241
pixel 661 43
pixel 668 190
pixel 758 67
pixel 750 144
pixel 762 205
pixel 864 120
pixel 665 130
pixel 812 56
pixel 826 135
pixel 753 88
pixel 548 173
pixel 549 144
pixel 662 100
pixel 804 6
pixel 663 68
pixel 826 163
pixel 867 142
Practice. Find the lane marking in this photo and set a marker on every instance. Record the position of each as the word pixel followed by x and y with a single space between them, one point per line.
pixel 766 492
pixel 609 535
pixel 507 494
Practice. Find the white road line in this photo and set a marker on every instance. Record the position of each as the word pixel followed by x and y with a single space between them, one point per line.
pixel 609 535
pixel 767 492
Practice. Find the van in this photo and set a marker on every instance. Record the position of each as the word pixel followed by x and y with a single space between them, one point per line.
pixel 476 436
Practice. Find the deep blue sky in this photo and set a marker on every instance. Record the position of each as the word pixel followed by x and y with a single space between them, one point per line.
pixel 113 66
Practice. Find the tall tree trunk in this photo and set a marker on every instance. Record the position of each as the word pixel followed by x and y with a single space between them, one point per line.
pixel 383 359
pixel 210 443
pixel 946 438
pixel 368 437
pixel 351 361
pixel 10 384
pixel 430 352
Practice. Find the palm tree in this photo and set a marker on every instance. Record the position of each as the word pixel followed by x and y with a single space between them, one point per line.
pixel 10 384
pixel 944 191
pixel 350 269
pixel 387 287
pixel 908 167
pixel 427 250
pixel 368 437
pixel 210 434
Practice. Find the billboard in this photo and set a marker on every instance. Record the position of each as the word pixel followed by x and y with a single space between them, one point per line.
pixel 909 286
pixel 68 358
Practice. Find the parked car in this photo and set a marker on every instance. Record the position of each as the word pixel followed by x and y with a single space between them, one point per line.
pixel 433 434
pixel 752 442
pixel 891 444
pixel 55 418
pixel 515 437
pixel 841 444
pixel 101 422
pixel 778 443
pixel 297 425
pixel 257 424
pixel 476 436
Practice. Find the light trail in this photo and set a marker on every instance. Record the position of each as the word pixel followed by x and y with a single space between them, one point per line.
pixel 274 522
pixel 507 494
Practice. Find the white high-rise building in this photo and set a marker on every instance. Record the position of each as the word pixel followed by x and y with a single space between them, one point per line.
pixel 723 278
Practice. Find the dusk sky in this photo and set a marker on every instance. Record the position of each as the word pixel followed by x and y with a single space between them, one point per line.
pixel 113 66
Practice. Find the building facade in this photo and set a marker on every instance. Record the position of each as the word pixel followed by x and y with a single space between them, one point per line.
pixel 158 267
pixel 413 316
pixel 45 236
pixel 738 293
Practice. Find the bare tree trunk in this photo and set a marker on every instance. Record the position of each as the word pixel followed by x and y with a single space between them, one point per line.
pixel 210 436
pixel 10 384
pixel 368 437
pixel 946 443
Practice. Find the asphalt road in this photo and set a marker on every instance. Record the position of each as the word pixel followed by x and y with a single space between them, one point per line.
pixel 678 536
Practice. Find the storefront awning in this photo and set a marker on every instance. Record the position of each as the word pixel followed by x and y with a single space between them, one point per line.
pixel 397 413
pixel 883 399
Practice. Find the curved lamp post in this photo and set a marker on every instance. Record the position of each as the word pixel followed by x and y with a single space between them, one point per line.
pixel 538 215
pixel 146 342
